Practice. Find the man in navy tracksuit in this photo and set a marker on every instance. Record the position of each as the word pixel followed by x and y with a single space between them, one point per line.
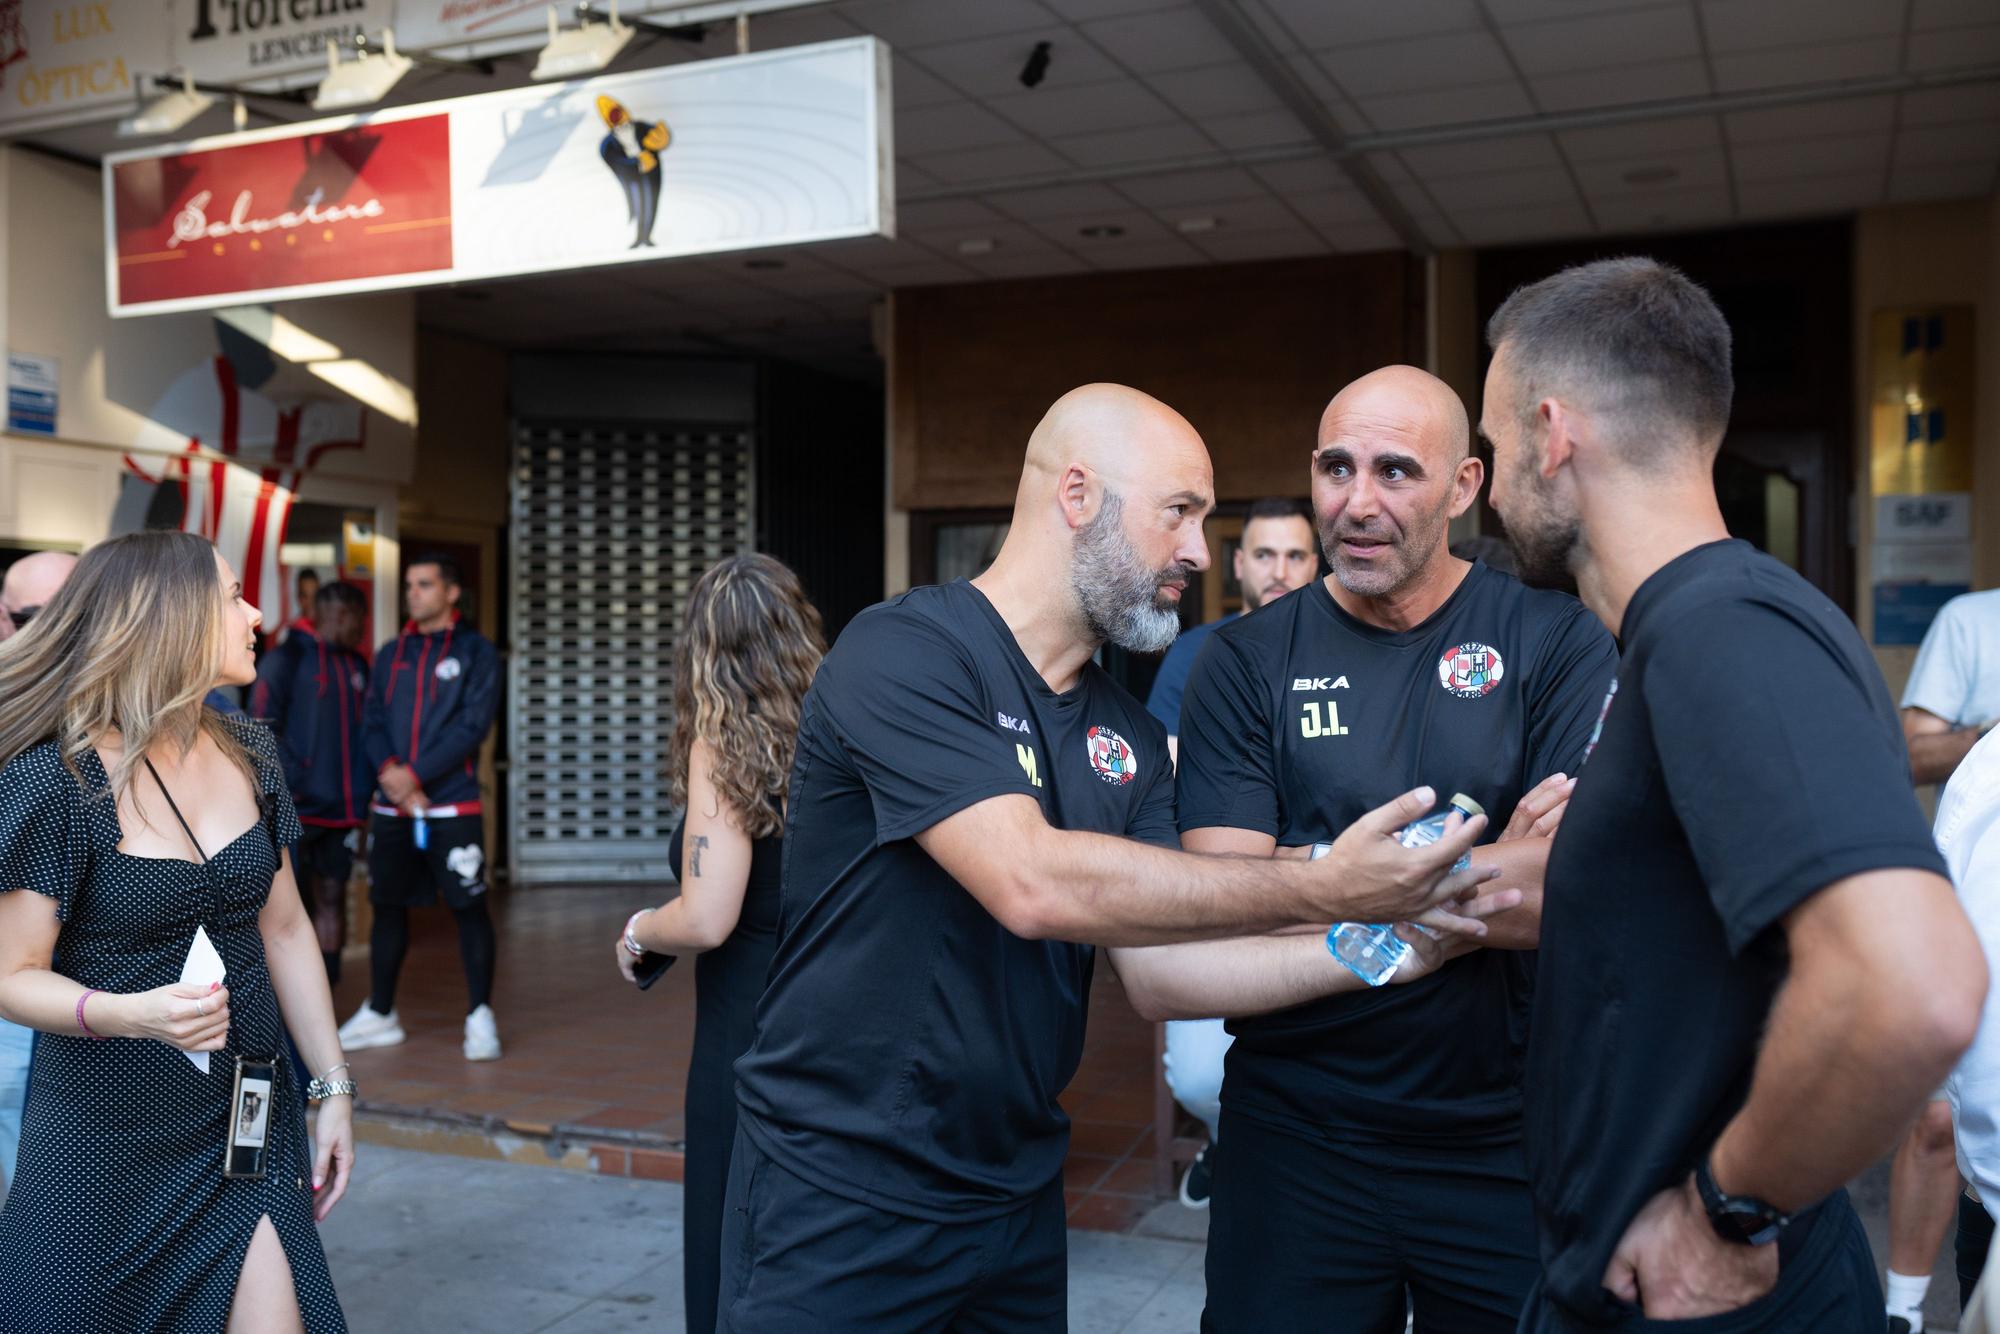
pixel 431 701
pixel 310 690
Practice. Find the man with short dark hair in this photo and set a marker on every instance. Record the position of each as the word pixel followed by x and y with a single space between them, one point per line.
pixel 1753 969
pixel 1276 555
pixel 976 803
pixel 1404 665
pixel 312 689
pixel 435 690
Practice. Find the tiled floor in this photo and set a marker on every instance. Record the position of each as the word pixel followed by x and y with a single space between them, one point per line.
pixel 596 1063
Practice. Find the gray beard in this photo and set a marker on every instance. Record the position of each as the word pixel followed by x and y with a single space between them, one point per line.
pixel 1116 593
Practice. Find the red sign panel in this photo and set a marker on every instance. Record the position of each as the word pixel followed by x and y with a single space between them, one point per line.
pixel 372 201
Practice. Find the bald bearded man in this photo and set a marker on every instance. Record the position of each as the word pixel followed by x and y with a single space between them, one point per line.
pixel 974 805
pixel 1369 1157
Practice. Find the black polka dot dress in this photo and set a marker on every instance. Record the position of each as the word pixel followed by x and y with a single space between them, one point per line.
pixel 119 1220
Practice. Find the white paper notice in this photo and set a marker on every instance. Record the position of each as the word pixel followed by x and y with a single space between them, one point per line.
pixel 203 967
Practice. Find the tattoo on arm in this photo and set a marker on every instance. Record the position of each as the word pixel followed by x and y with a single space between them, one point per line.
pixel 694 861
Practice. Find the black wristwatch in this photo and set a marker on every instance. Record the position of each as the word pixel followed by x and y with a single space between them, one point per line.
pixel 1743 1219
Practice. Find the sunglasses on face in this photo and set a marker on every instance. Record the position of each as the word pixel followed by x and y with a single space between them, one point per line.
pixel 21 617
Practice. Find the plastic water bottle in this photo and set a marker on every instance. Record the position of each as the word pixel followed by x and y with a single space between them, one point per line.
pixel 1373 951
pixel 422 830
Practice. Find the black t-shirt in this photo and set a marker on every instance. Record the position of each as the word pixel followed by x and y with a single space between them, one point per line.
pixel 1749 758
pixel 910 1048
pixel 1298 720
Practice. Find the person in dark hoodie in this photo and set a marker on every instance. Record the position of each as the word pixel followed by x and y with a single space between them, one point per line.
pixel 310 690
pixel 431 701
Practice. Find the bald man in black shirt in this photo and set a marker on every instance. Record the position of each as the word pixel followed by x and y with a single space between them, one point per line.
pixel 1370 1154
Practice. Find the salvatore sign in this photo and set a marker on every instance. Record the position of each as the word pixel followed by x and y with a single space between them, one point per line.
pixel 778 148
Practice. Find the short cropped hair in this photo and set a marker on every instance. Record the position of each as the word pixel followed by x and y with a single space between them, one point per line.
pixel 1634 338
pixel 447 568
pixel 1279 507
pixel 343 593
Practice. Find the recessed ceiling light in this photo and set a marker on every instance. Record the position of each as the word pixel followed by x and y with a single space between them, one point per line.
pixel 1195 226
pixel 1651 175
pixel 1101 231
pixel 977 245
pixel 763 263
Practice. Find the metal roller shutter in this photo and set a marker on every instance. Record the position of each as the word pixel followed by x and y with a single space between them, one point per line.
pixel 611 527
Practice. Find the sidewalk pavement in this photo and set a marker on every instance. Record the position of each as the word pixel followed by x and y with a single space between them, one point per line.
pixel 446 1244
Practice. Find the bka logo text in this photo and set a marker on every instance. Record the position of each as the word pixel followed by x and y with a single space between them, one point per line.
pixel 1011 723
pixel 1320 683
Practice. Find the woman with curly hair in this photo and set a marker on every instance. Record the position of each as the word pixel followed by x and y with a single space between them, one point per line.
pixel 749 645
pixel 138 829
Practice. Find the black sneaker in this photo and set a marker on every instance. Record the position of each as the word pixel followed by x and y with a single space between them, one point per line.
pixel 1199 1178
pixel 1898 1325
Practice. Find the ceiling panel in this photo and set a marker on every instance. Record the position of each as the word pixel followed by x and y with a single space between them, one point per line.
pixel 1694 170
pixel 1239 215
pixel 1058 201
pixel 1943 106
pixel 1124 147
pixel 1165 254
pixel 1586 41
pixel 1333 208
pixel 1448 106
pixel 1812 194
pixel 1928 14
pixel 1050 112
pixel 1970 142
pixel 1752 25
pixel 1861 115
pixel 990 67
pixel 924 214
pixel 1423 63
pixel 1944 181
pixel 1510 12
pixel 1663 210
pixel 1078 10
pixel 1303 174
pixel 1615 142
pixel 911 85
pixel 1784 66
pixel 1810 157
pixel 950 127
pixel 1264 129
pixel 909 24
pixel 992 164
pixel 1618 87
pixel 1167 40
pixel 1216 90
pixel 1041 263
pixel 1505 189
pixel 1954 48
pixel 1318 24
pixel 1193 187
pixel 1515 153
pixel 1138 228
pixel 1356 237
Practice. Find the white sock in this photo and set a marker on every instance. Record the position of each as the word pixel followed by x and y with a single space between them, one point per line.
pixel 1906 1297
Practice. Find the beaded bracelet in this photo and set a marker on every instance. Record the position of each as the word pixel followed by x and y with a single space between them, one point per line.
pixel 81 1022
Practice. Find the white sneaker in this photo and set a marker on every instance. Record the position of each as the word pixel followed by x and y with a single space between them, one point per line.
pixel 369 1029
pixel 482 1035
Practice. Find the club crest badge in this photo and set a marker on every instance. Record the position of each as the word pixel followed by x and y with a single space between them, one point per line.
pixel 1471 670
pixel 448 670
pixel 1111 756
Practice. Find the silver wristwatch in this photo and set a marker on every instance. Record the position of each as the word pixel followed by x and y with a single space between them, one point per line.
pixel 319 1090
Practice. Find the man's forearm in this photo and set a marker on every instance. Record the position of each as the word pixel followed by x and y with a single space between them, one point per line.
pixel 1843 1068
pixel 1109 891
pixel 1230 979
pixel 1523 863
pixel 1934 756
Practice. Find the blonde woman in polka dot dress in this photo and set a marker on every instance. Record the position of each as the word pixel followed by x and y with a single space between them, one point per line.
pixel 120 1220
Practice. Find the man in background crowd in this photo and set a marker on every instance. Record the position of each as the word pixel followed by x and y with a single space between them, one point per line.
pixel 1951 701
pixel 431 700
pixel 311 689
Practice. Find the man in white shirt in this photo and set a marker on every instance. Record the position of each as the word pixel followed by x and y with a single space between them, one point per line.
pixel 1968 833
pixel 1951 701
